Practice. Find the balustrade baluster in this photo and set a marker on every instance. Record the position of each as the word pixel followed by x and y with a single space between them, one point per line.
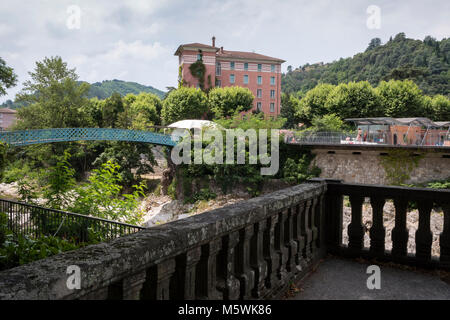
pixel 244 273
pixel 207 271
pixel 280 249
pixel 377 231
pixel 307 233
pixel 289 240
pixel 269 252
pixel 298 218
pixel 314 230
pixel 319 222
pixel 228 284
pixel 157 283
pixel 257 261
pixel 356 228
pixel 133 285
pixel 444 238
pixel 186 269
pixel 400 233
pixel 424 237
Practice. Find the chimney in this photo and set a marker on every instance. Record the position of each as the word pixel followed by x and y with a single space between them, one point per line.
pixel 213 41
pixel 221 49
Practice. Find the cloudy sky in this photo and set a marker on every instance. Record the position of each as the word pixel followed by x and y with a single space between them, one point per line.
pixel 135 40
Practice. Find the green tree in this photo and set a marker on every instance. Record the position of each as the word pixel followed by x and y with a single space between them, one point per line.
pixel 440 106
pixel 313 103
pixel 8 78
pixel 102 196
pixel 354 100
pixel 53 97
pixel 184 103
pixel 401 99
pixel 142 110
pixel 329 122
pixel 60 180
pixel 225 102
pixel 288 108
pixel 111 108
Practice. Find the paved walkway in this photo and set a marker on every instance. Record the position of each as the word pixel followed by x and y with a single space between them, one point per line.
pixel 347 279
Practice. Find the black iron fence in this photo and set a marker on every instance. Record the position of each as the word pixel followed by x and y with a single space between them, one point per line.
pixel 36 221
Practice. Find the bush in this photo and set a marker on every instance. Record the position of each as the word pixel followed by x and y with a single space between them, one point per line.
pixel 23 249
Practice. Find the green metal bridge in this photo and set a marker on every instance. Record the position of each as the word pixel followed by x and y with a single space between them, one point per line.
pixel 28 137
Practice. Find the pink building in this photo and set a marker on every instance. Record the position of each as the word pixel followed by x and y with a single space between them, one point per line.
pixel 7 118
pixel 259 73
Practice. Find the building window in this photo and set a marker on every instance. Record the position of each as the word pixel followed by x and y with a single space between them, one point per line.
pixel 272 107
pixel 272 94
pixel 272 68
pixel 259 93
pixel 272 80
pixel 218 69
pixel 259 79
pixel 259 106
pixel 231 78
pixel 259 67
pixel 232 65
pixel 246 79
pixel 246 66
pixel 218 83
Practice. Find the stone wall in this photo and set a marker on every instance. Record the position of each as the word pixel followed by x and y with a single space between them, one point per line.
pixel 361 164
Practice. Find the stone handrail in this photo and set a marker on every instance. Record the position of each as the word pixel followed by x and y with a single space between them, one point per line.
pixel 251 249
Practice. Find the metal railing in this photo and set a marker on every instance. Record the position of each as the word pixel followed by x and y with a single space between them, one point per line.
pixel 36 221
pixel 320 137
pixel 332 138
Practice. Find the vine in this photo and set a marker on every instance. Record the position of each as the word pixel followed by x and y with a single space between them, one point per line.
pixel 180 76
pixel 399 164
pixel 198 71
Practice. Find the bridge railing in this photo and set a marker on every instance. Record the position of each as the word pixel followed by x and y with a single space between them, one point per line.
pixel 36 221
pixel 29 137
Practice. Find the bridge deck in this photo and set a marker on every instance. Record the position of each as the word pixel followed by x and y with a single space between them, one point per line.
pixel 337 279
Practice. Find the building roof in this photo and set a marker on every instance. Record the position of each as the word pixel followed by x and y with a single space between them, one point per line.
pixel 246 55
pixel 229 54
pixel 194 45
pixel 7 110
pixel 399 121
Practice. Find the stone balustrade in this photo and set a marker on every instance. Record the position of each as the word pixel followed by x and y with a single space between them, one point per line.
pixel 248 250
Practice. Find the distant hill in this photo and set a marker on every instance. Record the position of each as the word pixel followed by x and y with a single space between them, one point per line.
pixel 425 62
pixel 105 89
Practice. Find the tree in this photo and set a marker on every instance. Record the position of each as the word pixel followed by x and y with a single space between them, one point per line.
pixel 327 123
pixel 224 102
pixel 111 108
pixel 288 108
pixel 184 103
pixel 53 97
pixel 440 106
pixel 141 111
pixel 313 103
pixel 375 42
pixel 401 99
pixel 354 100
pixel 8 78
